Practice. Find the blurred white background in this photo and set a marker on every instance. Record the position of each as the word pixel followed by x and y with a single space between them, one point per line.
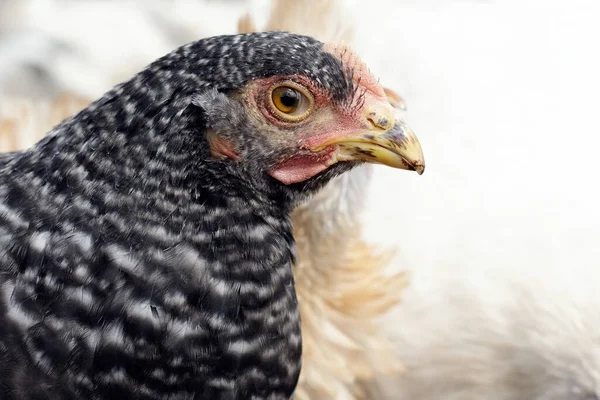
pixel 501 234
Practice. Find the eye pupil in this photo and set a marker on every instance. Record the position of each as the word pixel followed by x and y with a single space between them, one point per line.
pixel 289 98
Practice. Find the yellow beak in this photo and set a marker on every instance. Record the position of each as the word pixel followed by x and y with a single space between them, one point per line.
pixel 386 142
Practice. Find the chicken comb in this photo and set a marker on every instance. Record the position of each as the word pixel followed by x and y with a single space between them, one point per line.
pixel 360 74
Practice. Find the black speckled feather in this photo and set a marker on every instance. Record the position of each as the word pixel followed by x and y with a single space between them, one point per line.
pixel 133 265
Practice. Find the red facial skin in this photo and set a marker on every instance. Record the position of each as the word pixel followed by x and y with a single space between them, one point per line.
pixel 325 121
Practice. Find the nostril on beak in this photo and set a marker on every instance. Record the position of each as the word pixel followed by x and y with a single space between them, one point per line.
pixel 379 121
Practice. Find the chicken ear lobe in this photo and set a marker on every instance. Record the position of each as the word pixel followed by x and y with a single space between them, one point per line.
pixel 222 116
pixel 220 147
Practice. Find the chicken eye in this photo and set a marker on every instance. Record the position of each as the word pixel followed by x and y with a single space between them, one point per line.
pixel 291 102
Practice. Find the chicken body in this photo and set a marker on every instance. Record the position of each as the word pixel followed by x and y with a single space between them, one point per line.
pixel 141 286
pixel 146 242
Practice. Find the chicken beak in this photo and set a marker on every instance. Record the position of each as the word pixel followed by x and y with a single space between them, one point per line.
pixel 385 141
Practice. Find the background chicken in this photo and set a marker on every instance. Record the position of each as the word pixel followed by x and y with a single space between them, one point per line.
pixel 499 238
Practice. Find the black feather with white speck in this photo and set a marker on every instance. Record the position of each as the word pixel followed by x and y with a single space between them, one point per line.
pixel 132 264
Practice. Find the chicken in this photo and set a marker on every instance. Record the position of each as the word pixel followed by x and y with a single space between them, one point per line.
pixel 342 283
pixel 147 243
